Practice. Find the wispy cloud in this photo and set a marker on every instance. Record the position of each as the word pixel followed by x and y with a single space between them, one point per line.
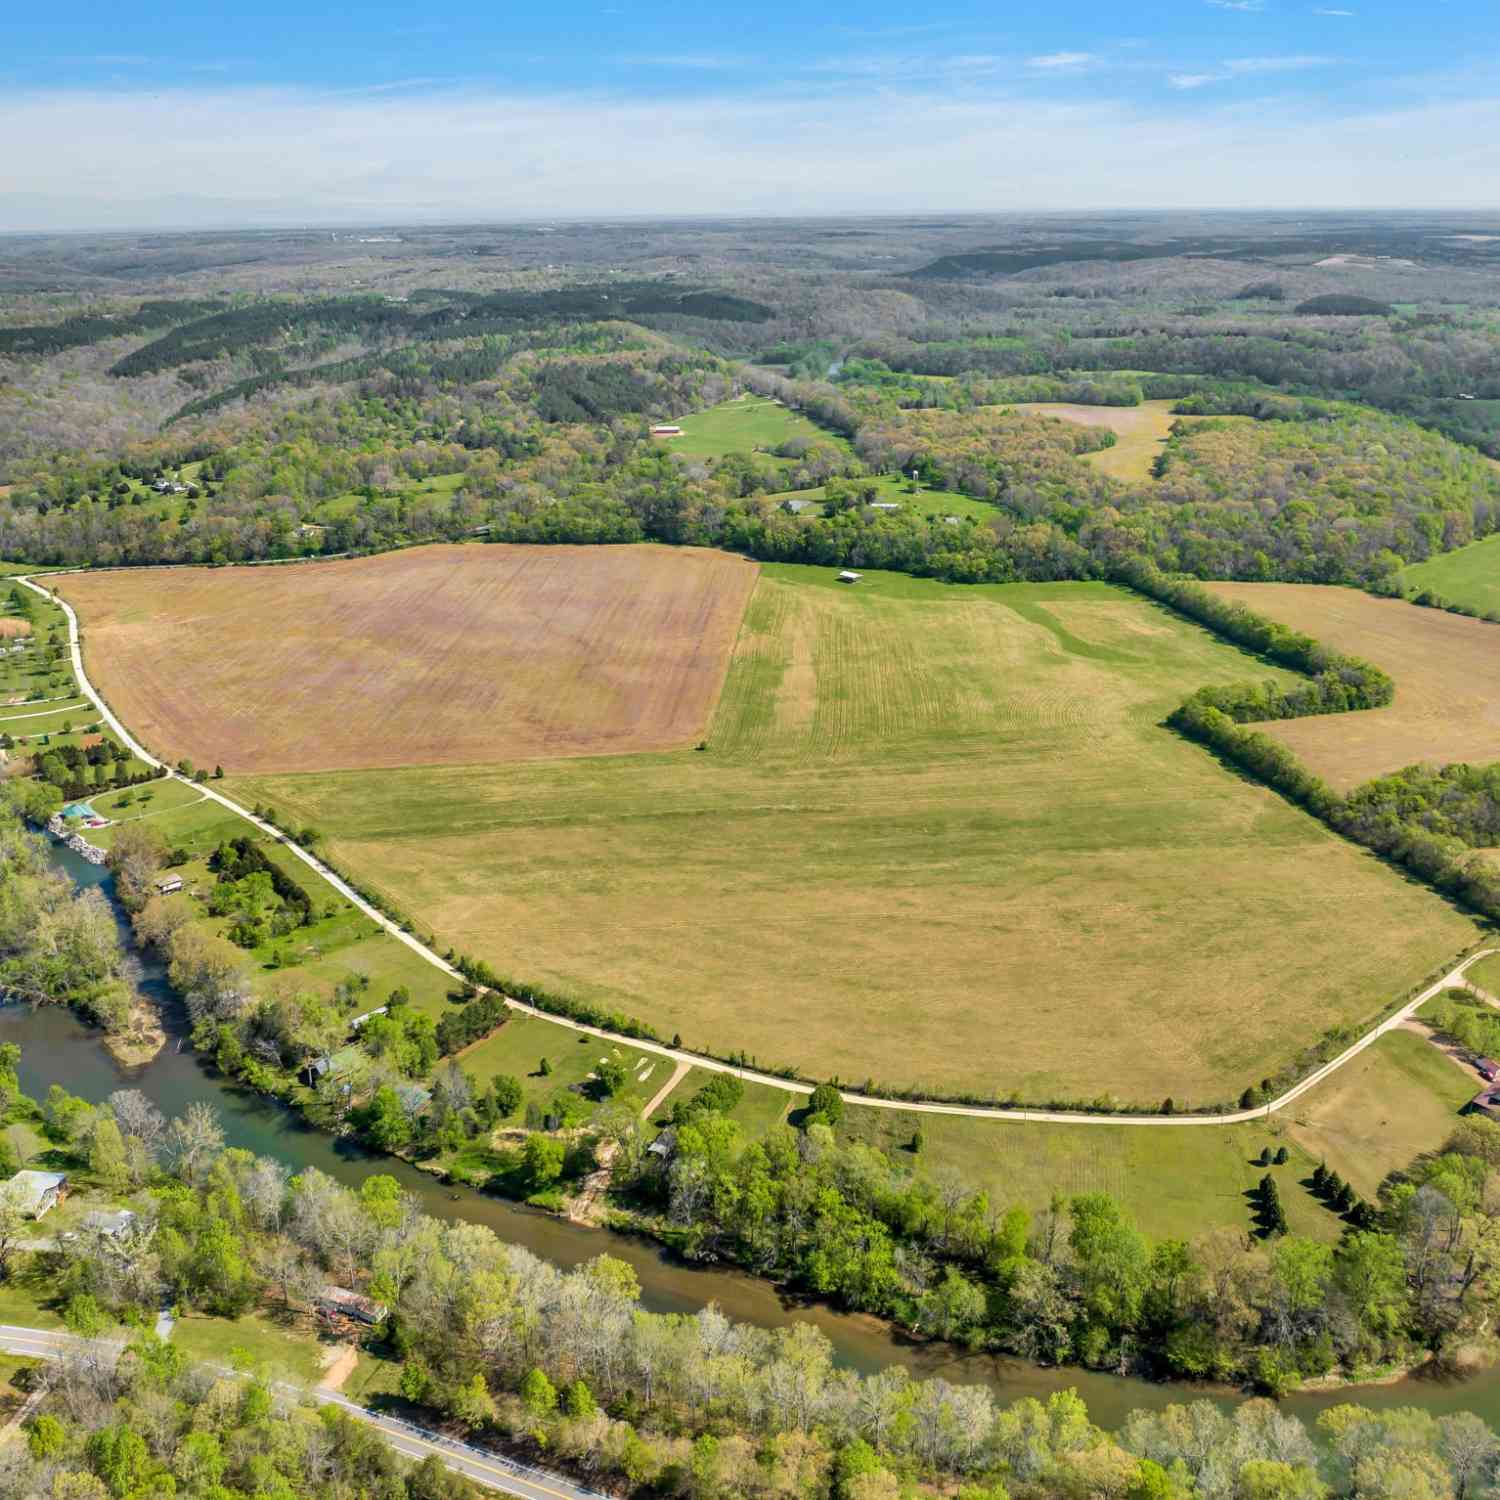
pixel 1060 60
pixel 1247 67
pixel 1236 4
pixel 712 61
pixel 1293 64
pixel 1335 12
pixel 216 155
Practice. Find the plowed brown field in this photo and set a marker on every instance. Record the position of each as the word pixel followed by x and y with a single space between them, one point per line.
pixel 441 655
pixel 1446 667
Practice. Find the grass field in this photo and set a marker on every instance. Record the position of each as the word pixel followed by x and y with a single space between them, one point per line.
pixel 938 838
pixel 290 1353
pixel 925 501
pixel 1397 1099
pixel 761 1107
pixel 438 655
pixel 1446 668
pixel 1469 576
pixel 1141 433
pixel 742 426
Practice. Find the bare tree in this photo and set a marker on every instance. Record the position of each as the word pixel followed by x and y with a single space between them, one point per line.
pixel 194 1140
pixel 136 1115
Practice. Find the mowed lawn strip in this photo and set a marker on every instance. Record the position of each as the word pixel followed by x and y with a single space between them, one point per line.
pixel 435 655
pixel 938 839
pixel 1400 1097
pixel 742 426
pixel 1446 668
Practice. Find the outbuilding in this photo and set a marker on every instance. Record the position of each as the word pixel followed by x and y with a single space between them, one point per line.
pixel 40 1191
pixel 847 577
pixel 168 884
pixel 340 1302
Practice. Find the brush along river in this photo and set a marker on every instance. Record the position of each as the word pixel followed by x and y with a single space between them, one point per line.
pixel 58 1048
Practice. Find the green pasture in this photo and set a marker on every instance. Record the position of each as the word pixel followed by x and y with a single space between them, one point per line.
pixel 938 837
pixel 288 1349
pixel 519 1046
pixel 743 425
pixel 1469 576
pixel 921 499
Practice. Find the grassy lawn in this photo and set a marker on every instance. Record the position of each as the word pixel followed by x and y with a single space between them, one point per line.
pixel 290 1352
pixel 372 1378
pixel 742 426
pixel 26 1295
pixel 761 1108
pixel 387 961
pixel 938 837
pixel 1397 1099
pixel 1486 974
pixel 1174 1182
pixel 1470 576
pixel 198 825
pixel 520 1045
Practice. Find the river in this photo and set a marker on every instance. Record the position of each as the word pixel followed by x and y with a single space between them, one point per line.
pixel 58 1048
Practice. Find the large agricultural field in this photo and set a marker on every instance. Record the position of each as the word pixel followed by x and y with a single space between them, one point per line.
pixel 938 838
pixel 1446 668
pixel 440 655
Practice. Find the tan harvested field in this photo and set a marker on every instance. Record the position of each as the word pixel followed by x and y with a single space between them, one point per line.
pixel 1446 668
pixel 1142 432
pixel 939 837
pixel 10 626
pixel 441 655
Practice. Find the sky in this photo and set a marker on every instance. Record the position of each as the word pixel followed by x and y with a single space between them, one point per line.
pixel 174 113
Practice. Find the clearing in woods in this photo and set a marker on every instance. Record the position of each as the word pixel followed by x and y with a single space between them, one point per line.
pixel 742 426
pixel 1470 576
pixel 1446 668
pixel 1140 431
pixel 938 838
pixel 437 655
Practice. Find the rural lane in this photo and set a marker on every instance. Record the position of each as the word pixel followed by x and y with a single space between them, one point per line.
pixel 692 1059
pixel 492 1470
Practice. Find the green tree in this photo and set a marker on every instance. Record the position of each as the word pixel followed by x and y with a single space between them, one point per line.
pixel 543 1157
pixel 46 1437
pixel 578 1401
pixel 507 1094
pixel 827 1103
pixel 120 1458
pixel 538 1394
pixel 472 1403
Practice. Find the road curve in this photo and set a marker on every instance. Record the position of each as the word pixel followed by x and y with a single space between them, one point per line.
pixel 693 1059
pixel 493 1470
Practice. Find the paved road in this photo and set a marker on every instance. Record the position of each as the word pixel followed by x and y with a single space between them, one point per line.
pixel 691 1059
pixel 489 1469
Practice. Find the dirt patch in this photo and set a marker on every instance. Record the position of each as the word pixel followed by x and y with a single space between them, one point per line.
pixel 141 1039
pixel 1446 668
pixel 441 655
pixel 340 1364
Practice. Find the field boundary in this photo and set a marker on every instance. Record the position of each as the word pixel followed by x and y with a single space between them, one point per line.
pixel 680 1055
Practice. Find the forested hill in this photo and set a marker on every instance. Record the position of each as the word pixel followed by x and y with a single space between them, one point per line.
pixel 1312 433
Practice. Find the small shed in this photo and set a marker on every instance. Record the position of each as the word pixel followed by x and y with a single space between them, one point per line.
pixel 369 1015
pixel 664 1145
pixel 112 1224
pixel 40 1191
pixel 884 505
pixel 848 577
pixel 1488 1103
pixel 666 429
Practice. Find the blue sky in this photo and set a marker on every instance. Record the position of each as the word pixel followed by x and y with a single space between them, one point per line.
pixel 168 112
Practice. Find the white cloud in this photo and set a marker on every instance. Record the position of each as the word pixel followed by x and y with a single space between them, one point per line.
pixel 1296 64
pixel 1236 4
pixel 1335 13
pixel 1060 60
pixel 1195 80
pixel 216 156
pixel 709 61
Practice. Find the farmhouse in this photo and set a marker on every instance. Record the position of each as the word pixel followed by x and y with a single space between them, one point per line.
pixel 340 1302
pixel 40 1191
pixel 1488 1103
